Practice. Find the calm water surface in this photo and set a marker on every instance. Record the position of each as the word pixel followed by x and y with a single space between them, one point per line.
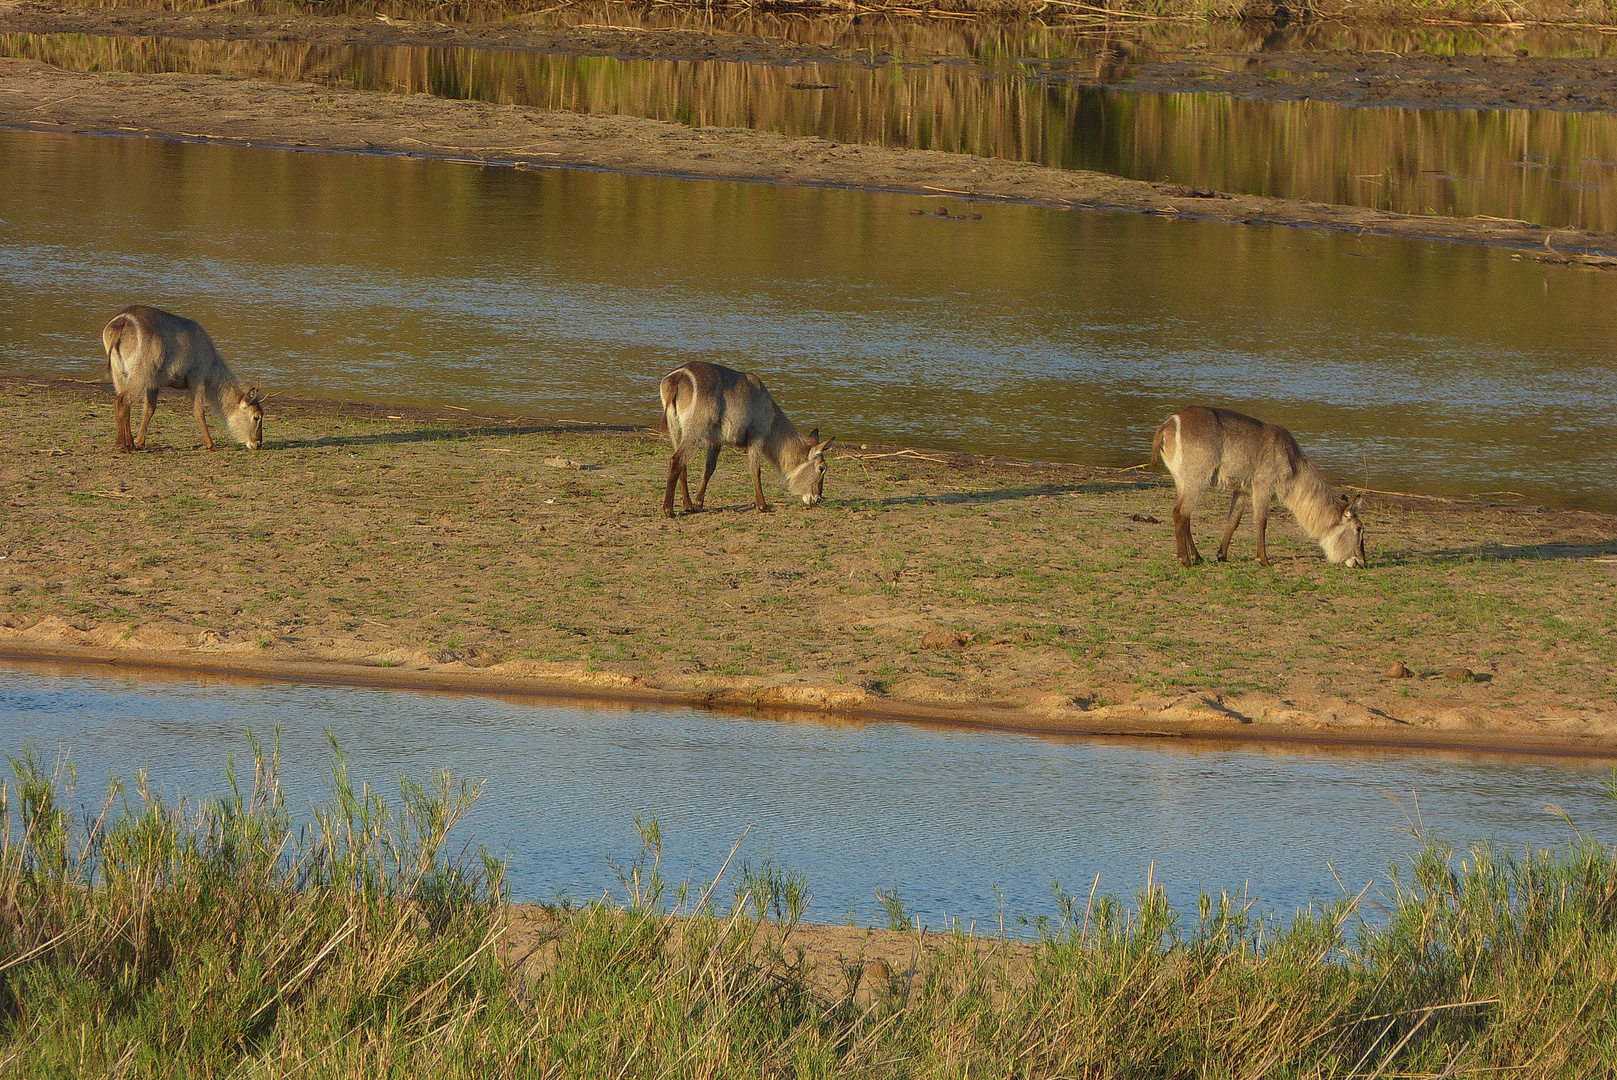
pixel 1032 333
pixel 954 818
pixel 1552 168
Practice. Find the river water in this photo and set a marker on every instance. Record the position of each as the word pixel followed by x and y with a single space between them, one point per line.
pixel 1549 167
pixel 966 824
pixel 1033 333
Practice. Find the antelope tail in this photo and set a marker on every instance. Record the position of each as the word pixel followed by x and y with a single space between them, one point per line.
pixel 674 384
pixel 113 335
pixel 1156 449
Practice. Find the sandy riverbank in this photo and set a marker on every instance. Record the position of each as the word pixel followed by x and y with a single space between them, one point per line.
pixel 437 548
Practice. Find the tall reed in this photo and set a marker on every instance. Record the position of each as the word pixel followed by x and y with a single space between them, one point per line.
pixel 222 937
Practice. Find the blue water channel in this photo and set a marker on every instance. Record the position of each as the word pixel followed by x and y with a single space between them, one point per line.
pixel 967 824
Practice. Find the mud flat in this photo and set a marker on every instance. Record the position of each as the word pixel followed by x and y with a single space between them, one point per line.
pixel 438 548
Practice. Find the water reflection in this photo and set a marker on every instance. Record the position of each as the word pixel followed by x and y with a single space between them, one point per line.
pixel 967 824
pixel 1547 167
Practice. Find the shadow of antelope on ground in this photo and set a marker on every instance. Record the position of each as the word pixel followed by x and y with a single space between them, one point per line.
pixel 1011 494
pixel 448 434
pixel 1550 551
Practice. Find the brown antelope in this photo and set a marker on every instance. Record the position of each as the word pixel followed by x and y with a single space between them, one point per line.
pixel 1259 461
pixel 712 406
pixel 148 349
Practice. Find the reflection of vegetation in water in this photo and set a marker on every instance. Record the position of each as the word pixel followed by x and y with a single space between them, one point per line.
pixel 1550 168
pixel 1380 23
pixel 223 937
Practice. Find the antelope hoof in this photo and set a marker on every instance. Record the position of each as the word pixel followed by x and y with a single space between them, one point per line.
pixel 668 511
pixel 1263 562
pixel 1223 556
pixel 766 509
pixel 1192 560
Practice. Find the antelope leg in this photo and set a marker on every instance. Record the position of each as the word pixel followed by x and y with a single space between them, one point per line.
pixel 120 423
pixel 1236 510
pixel 685 487
pixel 707 474
pixel 202 422
pixel 1260 511
pixel 146 419
pixel 676 470
pixel 1188 555
pixel 758 486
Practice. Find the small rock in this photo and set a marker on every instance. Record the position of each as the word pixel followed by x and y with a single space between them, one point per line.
pixel 1146 518
pixel 1399 671
pixel 947 639
pixel 878 971
pixel 562 463
pixel 1461 674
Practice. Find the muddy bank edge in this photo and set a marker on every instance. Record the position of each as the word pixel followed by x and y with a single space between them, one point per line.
pixel 1186 719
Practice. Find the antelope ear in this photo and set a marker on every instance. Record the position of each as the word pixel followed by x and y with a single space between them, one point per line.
pixel 1358 502
pixel 814 436
pixel 826 445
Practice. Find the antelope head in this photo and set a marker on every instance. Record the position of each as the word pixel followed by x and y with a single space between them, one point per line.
pixel 807 481
pixel 246 420
pixel 1345 543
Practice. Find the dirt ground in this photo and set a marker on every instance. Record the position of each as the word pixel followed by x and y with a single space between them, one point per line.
pixel 407 547
pixel 842 960
pixel 305 117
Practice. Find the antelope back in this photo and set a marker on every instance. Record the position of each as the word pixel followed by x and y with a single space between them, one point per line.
pixel 711 403
pixel 156 347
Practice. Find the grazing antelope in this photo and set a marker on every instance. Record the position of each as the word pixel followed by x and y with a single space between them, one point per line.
pixel 712 406
pixel 1204 448
pixel 148 349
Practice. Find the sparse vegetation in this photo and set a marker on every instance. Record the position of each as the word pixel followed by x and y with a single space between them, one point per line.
pixel 1051 588
pixel 1481 12
pixel 225 937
